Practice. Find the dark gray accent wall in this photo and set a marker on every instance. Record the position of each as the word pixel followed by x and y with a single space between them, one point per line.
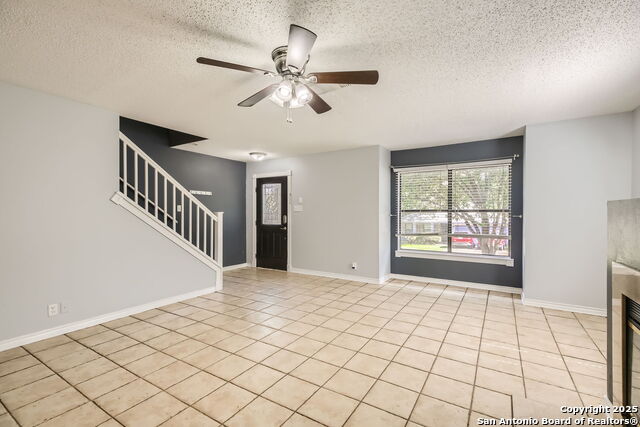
pixel 225 178
pixel 455 270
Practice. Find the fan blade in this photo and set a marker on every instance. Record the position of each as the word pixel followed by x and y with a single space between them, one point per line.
pixel 216 63
pixel 259 96
pixel 318 104
pixel 369 77
pixel 300 43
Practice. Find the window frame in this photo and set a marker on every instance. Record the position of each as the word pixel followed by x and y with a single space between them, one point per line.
pixel 449 254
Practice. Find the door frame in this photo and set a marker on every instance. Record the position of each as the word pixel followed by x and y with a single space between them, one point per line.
pixel 254 237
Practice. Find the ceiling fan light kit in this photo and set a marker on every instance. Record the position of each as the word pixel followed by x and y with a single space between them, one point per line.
pixel 290 62
pixel 292 92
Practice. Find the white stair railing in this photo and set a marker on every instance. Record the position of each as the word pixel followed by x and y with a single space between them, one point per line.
pixel 153 195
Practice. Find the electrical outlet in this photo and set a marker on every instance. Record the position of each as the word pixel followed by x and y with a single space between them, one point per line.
pixel 64 307
pixel 53 309
pixel 354 265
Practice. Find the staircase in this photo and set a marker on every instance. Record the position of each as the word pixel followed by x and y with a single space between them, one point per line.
pixel 150 193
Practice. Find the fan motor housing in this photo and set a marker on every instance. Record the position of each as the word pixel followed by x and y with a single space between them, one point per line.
pixel 279 56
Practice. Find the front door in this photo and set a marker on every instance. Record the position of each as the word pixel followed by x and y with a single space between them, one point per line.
pixel 271 222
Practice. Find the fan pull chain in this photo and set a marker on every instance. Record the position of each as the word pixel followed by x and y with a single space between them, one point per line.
pixel 289 115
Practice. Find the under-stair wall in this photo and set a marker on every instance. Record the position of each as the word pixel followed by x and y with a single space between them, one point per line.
pixel 155 197
pixel 62 240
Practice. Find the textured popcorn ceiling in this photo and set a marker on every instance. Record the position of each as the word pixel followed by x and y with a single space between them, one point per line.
pixel 450 71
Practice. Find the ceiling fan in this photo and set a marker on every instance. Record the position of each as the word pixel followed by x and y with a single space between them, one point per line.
pixel 293 90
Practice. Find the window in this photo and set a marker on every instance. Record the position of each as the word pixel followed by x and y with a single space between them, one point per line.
pixel 271 204
pixel 461 210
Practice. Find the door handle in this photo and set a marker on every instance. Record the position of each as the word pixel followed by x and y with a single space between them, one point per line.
pixel 283 228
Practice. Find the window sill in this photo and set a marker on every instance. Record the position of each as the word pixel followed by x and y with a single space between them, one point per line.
pixel 483 259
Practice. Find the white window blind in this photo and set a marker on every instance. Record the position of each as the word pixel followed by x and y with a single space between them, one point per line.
pixel 456 208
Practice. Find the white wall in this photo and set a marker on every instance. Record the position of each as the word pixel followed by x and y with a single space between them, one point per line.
pixel 62 240
pixel 384 220
pixel 572 168
pixel 342 214
pixel 635 186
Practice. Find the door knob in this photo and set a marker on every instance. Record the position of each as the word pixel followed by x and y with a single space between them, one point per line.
pixel 283 228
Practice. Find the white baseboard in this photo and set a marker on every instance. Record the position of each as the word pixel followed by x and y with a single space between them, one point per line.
pixel 235 266
pixel 564 307
pixel 354 278
pixel 81 324
pixel 472 285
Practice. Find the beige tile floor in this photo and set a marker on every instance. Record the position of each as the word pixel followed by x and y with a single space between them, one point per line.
pixel 285 349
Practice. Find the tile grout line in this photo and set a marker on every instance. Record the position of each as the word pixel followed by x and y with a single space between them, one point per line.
pixel 123 366
pixel 340 301
pixel 24 369
pixel 382 303
pixel 516 323
pixel 453 288
pixel 376 379
pixel 389 361
pixel 477 364
pixel 567 366
pixel 586 330
pixel 283 348
pixel 355 353
pixel 564 362
pixel 372 308
pixel 118 365
pixel 68 383
pixel 231 353
pixel 395 354
pixel 439 349
pixel 9 413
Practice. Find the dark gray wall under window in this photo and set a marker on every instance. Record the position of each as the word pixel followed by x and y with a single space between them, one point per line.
pixel 456 270
pixel 225 178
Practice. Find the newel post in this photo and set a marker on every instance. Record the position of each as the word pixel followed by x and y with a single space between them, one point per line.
pixel 219 248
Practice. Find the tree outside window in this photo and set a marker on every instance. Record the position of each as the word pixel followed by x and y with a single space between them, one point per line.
pixel 458 209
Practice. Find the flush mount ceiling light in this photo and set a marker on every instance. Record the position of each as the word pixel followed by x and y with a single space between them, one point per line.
pixel 257 156
pixel 293 90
